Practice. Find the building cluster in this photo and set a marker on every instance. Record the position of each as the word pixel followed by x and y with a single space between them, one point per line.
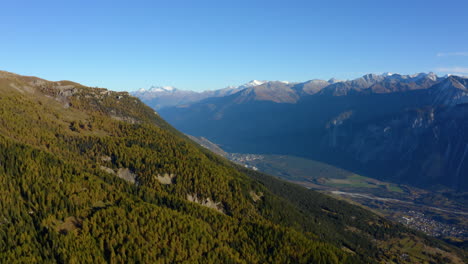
pixel 419 221
pixel 245 159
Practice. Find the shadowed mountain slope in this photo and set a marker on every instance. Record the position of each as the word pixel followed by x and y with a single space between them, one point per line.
pixel 405 128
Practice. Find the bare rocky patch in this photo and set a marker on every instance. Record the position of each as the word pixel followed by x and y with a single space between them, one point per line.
pixel 106 158
pixel 206 202
pixel 108 170
pixel 166 178
pixel 123 173
pixel 126 119
pixel 256 196
pixel 70 224
pixel 127 175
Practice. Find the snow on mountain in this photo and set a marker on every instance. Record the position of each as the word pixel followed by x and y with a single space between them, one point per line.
pixel 162 89
pixel 252 83
pixel 255 83
pixel 452 91
pixel 388 82
pixel 156 89
pixel 432 76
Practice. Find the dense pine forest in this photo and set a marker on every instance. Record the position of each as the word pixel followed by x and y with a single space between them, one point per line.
pixel 94 176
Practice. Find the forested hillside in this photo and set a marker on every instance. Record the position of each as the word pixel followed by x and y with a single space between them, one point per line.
pixel 94 176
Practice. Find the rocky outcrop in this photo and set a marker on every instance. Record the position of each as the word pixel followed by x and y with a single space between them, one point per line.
pixel 206 202
pixel 127 175
pixel 166 178
pixel 108 170
pixel 256 196
pixel 123 173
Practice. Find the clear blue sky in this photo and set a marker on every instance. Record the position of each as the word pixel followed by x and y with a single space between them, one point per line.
pixel 199 45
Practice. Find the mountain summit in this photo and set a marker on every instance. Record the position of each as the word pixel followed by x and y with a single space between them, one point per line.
pixel 156 89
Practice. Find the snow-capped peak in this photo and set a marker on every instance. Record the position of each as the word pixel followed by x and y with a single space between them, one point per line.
pixel 420 75
pixel 156 89
pixel 162 89
pixel 432 76
pixel 254 83
pixel 387 74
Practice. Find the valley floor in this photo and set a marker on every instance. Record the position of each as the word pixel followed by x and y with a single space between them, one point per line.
pixel 435 214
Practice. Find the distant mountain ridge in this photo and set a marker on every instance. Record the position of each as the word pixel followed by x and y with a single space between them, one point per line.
pixel 404 128
pixel 165 96
pixel 160 97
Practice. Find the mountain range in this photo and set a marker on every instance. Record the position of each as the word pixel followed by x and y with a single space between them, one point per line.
pixel 163 96
pixel 408 129
pixel 91 175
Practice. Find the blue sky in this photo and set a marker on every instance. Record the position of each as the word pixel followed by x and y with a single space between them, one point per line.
pixel 199 45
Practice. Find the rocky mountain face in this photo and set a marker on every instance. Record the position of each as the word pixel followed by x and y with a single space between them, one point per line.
pixel 405 128
pixel 425 146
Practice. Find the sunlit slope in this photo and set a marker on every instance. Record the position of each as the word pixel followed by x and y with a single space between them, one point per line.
pixel 90 175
